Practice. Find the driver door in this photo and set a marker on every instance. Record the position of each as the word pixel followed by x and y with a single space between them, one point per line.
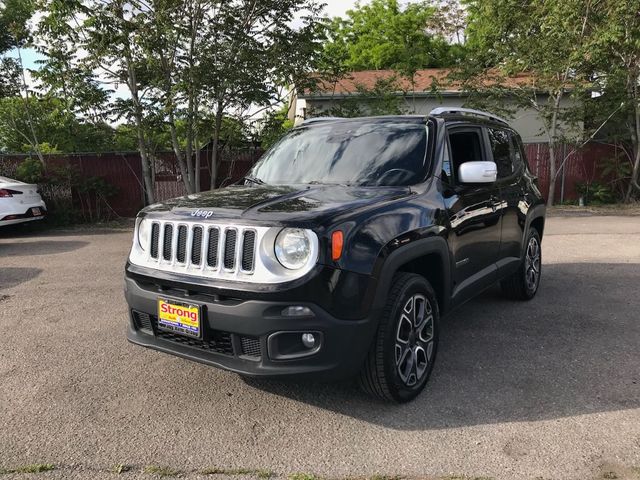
pixel 473 214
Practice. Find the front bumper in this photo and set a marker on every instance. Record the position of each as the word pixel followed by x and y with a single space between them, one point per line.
pixel 236 334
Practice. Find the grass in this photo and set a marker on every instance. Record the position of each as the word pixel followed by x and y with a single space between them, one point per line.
pixel 120 468
pixel 464 477
pixel 32 468
pixel 303 476
pixel 160 471
pixel 260 473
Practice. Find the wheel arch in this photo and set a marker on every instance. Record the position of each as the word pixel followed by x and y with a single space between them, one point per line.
pixel 428 257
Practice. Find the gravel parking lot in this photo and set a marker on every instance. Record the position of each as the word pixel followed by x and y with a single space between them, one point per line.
pixel 548 389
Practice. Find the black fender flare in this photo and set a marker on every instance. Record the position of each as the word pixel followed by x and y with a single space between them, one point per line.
pixel 411 251
pixel 538 211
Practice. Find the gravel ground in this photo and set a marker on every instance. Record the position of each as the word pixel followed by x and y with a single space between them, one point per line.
pixel 548 389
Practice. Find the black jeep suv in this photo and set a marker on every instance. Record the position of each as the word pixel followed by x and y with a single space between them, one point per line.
pixel 341 251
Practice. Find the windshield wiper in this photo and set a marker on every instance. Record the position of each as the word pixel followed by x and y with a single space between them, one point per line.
pixel 253 180
pixel 316 182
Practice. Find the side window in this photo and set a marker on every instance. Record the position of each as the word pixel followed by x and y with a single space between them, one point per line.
pixel 518 152
pixel 446 164
pixel 502 151
pixel 466 146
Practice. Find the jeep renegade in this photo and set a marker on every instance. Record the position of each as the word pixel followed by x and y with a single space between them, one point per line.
pixel 341 250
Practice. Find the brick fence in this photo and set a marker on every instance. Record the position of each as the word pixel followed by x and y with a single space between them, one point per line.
pixel 123 171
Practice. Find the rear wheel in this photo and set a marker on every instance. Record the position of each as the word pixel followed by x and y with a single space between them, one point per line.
pixel 524 283
pixel 403 351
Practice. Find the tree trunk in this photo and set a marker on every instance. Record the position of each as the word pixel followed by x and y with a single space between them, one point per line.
pixel 148 181
pixel 216 142
pixel 551 195
pixel 553 128
pixel 186 178
pixel 635 137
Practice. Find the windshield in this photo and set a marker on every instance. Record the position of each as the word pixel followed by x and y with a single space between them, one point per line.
pixel 351 152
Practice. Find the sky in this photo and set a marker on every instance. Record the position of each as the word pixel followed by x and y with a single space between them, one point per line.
pixel 334 8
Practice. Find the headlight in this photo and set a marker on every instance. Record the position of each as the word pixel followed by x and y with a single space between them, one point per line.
pixel 144 234
pixel 293 248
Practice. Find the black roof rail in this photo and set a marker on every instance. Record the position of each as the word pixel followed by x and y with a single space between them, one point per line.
pixel 307 121
pixel 467 111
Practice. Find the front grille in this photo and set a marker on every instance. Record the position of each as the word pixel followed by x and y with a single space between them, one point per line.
pixel 232 249
pixel 182 243
pixel 155 239
pixel 230 240
pixel 219 342
pixel 212 253
pixel 251 346
pixel 167 244
pixel 248 247
pixel 216 340
pixel 142 321
pixel 196 248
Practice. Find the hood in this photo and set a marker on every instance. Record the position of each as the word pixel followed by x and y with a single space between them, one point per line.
pixel 311 204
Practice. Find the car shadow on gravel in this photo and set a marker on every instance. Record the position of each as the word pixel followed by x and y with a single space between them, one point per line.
pixel 13 276
pixel 39 247
pixel 573 350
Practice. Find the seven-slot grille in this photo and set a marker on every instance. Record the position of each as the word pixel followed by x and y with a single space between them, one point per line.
pixel 230 248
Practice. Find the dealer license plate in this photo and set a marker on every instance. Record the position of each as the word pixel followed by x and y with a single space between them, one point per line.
pixel 179 317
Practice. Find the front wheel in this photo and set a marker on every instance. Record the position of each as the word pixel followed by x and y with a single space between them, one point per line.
pixel 403 351
pixel 524 283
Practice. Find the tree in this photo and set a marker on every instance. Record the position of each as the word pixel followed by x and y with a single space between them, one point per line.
pixel 274 125
pixel 547 40
pixel 383 35
pixel 63 74
pixel 615 53
pixel 193 63
pixel 51 126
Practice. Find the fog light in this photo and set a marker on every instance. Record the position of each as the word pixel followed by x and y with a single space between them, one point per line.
pixel 308 340
pixel 297 311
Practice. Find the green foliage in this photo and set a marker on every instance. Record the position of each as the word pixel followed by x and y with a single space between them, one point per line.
pixel 9 77
pixel 14 15
pixel 56 129
pixel 384 35
pixel 276 124
pixel 30 171
pixel 595 193
pixel 617 170
pixel 381 99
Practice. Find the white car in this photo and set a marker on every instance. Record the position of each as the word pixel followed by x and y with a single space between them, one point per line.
pixel 19 202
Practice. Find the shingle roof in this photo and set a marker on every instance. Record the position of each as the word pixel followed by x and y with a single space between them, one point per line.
pixel 427 80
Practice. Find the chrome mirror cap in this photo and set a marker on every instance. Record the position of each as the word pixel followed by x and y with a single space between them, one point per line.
pixel 478 172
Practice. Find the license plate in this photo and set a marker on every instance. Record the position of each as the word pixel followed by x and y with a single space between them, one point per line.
pixel 179 317
pixel 36 212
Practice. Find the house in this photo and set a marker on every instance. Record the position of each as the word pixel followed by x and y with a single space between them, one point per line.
pixel 430 89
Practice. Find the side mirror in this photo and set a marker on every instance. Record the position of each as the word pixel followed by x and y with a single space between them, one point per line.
pixel 478 172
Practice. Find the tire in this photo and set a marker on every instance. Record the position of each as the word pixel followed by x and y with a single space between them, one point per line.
pixel 524 283
pixel 401 356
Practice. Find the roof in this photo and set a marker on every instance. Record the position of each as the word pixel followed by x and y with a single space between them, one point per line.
pixel 430 81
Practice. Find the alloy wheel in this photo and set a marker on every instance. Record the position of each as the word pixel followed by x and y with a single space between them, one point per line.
pixel 532 264
pixel 414 344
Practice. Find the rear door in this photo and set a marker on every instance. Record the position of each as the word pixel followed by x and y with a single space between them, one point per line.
pixel 508 156
pixel 475 224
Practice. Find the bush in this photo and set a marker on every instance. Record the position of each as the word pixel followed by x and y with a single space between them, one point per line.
pixel 595 193
pixel 30 171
